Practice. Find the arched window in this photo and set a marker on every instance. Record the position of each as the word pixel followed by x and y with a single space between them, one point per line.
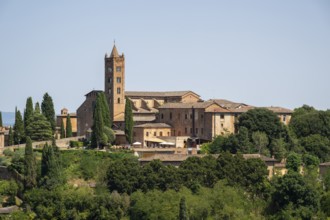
pixel 118 100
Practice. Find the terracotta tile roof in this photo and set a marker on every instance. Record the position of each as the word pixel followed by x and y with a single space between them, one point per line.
pixel 279 109
pixel 153 125
pixel 187 105
pixel 157 94
pixel 169 157
pixel 262 157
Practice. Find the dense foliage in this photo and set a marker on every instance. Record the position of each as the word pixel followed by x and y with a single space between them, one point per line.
pixel 68 128
pixel 47 108
pixel 129 123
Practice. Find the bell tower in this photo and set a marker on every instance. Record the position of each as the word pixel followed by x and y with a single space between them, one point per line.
pixel 114 83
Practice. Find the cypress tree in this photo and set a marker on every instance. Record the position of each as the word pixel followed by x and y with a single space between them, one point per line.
pixel 1 119
pixel 183 209
pixel 10 137
pixel 105 111
pixel 50 166
pixel 68 129
pixel 98 136
pixel 47 108
pixel 62 130
pixel 18 128
pixel 39 129
pixel 37 108
pixel 30 177
pixel 28 112
pixel 129 123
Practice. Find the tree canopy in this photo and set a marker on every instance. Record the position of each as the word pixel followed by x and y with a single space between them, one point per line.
pixel 47 108
pixel 129 123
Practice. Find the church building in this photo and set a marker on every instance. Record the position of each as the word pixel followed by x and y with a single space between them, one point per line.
pixel 161 116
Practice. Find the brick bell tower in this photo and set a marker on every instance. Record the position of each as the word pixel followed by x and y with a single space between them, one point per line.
pixel 114 83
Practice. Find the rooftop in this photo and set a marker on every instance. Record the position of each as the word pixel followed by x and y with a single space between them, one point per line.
pixel 158 94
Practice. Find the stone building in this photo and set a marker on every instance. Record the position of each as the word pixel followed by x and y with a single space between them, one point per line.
pixel 85 113
pixel 184 112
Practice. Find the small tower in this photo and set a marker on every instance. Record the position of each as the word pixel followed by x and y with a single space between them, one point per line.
pixel 114 83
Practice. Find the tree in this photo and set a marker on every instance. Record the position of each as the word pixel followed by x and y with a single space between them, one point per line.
pixel 293 162
pixel 39 129
pixel 10 137
pixel 68 129
pixel 263 120
pixel 47 107
pixel 243 140
pixel 37 108
pixel 124 175
pixel 98 136
pixel 317 145
pixel 306 121
pixel 105 110
pixel 28 112
pixel 1 119
pixel 260 140
pixel 62 130
pixel 30 177
pixel 50 167
pixel 129 123
pixel 183 215
pixel 292 190
pixel 18 128
pixel 278 148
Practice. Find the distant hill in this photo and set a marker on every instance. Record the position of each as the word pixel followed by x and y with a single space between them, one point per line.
pixel 8 118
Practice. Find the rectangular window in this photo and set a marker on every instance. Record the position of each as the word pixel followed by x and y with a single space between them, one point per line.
pixel 161 133
pixel 109 80
pixel 185 116
pixel 202 116
pixel 118 90
pixel 170 115
pixel 190 116
pixel 196 130
pixel 186 130
pixel 155 133
pixel 284 118
pixel 190 130
pixel 118 79
pixel 162 116
pixel 202 130
pixel 222 116
pixel 118 69
pixel 147 134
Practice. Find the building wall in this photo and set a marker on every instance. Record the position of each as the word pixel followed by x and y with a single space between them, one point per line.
pixel 2 139
pixel 181 121
pixel 141 134
pixel 85 114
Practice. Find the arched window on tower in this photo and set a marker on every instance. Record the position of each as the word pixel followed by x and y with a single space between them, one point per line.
pixel 118 100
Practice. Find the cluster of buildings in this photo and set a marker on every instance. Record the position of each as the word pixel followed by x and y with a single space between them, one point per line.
pixel 162 119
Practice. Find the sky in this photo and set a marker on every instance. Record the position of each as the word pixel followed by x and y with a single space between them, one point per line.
pixel 262 53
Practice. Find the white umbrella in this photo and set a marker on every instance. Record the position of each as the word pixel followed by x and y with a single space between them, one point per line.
pixel 137 143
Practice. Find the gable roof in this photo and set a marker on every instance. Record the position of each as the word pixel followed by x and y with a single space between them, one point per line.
pixel 158 94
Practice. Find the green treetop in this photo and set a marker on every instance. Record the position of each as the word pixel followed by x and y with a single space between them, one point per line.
pixel 183 215
pixel 98 135
pixel 129 123
pixel 39 129
pixel 62 130
pixel 18 128
pixel 10 137
pixel 47 107
pixel 105 110
pixel 28 112
pixel 68 129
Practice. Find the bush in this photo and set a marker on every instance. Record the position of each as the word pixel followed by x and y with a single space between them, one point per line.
pixel 76 144
pixel 8 152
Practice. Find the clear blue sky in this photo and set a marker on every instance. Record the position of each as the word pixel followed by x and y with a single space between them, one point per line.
pixel 261 53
